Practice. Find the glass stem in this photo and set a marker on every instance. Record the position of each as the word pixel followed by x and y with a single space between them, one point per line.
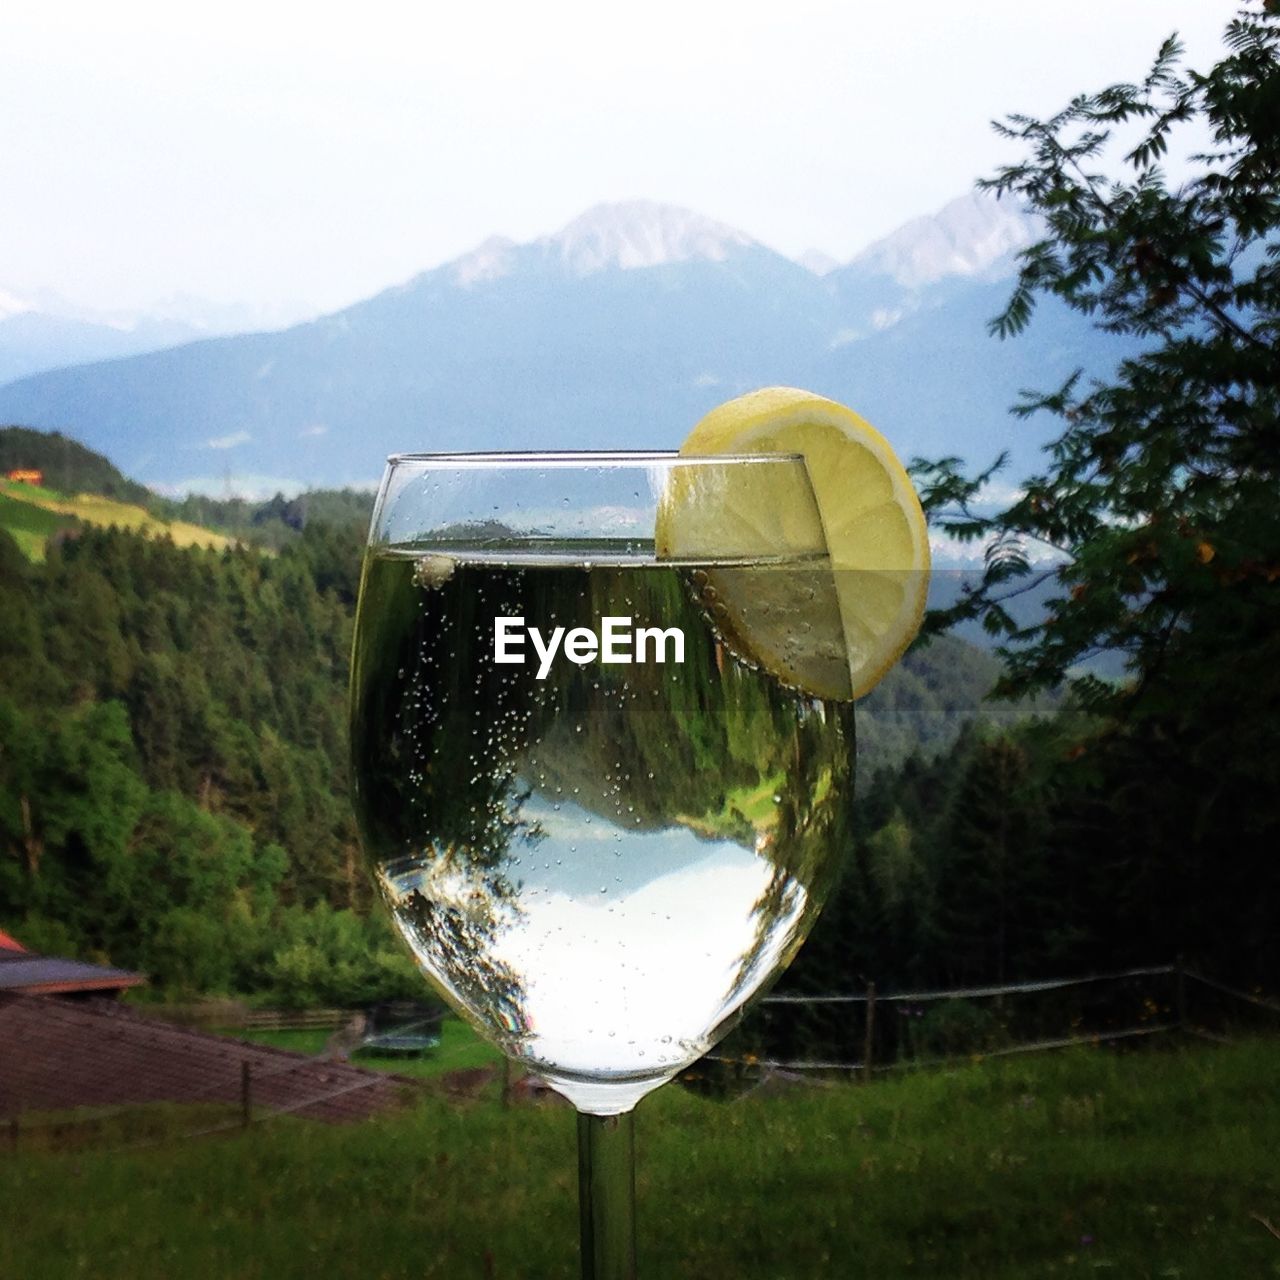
pixel 607 1196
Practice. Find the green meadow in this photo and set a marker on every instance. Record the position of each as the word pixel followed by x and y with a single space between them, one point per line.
pixel 30 524
pixel 32 513
pixel 1153 1164
pixel 460 1049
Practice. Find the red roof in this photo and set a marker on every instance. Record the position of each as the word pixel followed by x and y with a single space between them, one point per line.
pixel 58 1054
pixel 9 944
pixel 21 971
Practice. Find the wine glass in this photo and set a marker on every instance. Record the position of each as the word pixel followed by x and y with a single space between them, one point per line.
pixel 600 824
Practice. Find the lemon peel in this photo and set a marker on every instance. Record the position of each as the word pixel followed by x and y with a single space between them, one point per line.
pixel 834 632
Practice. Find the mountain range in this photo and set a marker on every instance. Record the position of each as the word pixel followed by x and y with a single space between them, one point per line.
pixel 41 330
pixel 618 331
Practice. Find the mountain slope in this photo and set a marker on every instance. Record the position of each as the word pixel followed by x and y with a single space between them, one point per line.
pixel 618 331
pixel 967 237
pixel 33 341
pixel 936 383
pixel 65 464
pixel 44 330
pixel 475 354
pixel 33 515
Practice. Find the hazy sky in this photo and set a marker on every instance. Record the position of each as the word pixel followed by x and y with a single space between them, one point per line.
pixel 269 151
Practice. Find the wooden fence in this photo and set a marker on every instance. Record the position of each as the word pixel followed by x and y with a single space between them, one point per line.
pixel 230 1015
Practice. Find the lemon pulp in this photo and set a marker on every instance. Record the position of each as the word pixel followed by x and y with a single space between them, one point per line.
pixel 833 633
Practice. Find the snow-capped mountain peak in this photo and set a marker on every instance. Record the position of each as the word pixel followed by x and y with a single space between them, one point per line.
pixel 818 262
pixel 640 233
pixel 12 305
pixel 490 260
pixel 622 236
pixel 964 238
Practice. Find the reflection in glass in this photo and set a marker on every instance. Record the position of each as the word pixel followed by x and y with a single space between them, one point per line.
pixel 601 867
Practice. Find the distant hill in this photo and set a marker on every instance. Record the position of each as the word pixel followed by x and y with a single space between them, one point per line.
pixel 79 486
pixel 618 331
pixel 33 514
pixel 46 331
pixel 924 702
pixel 34 341
pixel 921 705
pixel 66 464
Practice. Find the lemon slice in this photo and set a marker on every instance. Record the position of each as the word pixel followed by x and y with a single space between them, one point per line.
pixel 833 631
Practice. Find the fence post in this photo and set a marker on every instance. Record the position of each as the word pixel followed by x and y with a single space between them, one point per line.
pixel 1180 989
pixel 506 1081
pixel 246 1093
pixel 15 1128
pixel 868 1046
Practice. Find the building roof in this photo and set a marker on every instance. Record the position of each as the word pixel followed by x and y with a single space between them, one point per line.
pixel 9 943
pixel 22 971
pixel 57 1054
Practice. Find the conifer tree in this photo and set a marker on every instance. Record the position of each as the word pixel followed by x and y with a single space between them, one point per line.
pixel 1159 502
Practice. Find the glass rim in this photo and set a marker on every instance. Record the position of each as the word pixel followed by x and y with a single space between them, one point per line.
pixel 484 459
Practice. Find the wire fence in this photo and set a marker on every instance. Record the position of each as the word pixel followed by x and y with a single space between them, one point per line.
pixel 73 1073
pixel 249 1110
pixel 882 1047
pixel 241 1096
pixel 972 993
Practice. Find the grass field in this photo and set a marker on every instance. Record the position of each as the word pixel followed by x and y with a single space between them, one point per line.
pixel 30 524
pixel 459 1048
pixel 1154 1164
pixel 31 513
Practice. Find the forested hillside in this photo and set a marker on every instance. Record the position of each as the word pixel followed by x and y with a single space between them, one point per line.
pixel 1149 828
pixel 173 788
pixel 66 464
pixel 172 769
